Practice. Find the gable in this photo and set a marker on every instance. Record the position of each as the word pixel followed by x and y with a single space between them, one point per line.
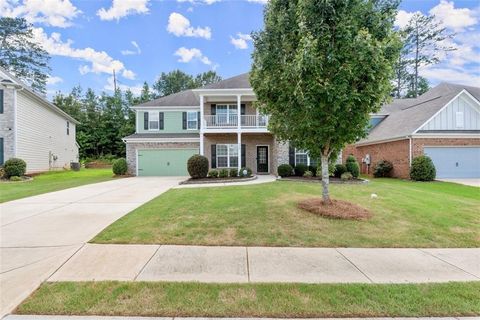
pixel 462 113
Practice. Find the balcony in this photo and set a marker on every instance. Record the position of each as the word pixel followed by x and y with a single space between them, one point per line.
pixel 231 122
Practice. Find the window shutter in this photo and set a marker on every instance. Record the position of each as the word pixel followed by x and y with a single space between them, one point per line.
pixel 184 120
pixel 214 156
pixel 198 117
pixel 291 155
pixel 1 151
pixel 145 120
pixel 244 158
pixel 160 118
pixel 1 102
pixel 213 109
pixel 242 109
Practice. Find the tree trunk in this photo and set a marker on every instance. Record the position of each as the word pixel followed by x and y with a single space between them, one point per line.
pixel 325 180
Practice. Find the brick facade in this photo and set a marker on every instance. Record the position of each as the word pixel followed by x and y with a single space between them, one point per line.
pixel 132 148
pixel 397 152
pixel 251 141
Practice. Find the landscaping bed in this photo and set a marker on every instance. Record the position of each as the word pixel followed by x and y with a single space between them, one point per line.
pixel 253 300
pixel 333 180
pixel 218 180
pixel 404 214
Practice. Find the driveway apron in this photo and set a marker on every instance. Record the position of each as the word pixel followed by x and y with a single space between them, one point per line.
pixel 39 234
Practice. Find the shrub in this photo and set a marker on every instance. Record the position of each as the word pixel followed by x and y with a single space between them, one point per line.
pixel 249 172
pixel 15 178
pixel 383 168
pixel 422 169
pixel 308 174
pixel 197 166
pixel 313 169
pixel 346 176
pixel 352 166
pixel 339 170
pixel 234 172
pixel 223 173
pixel 2 172
pixel 285 170
pixel 14 167
pixel 120 167
pixel 213 173
pixel 300 169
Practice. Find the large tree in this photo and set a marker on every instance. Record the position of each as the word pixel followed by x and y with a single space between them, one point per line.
pixel 320 68
pixel 21 55
pixel 177 80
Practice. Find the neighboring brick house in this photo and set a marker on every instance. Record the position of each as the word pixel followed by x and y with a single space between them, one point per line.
pixel 33 129
pixel 443 123
pixel 220 122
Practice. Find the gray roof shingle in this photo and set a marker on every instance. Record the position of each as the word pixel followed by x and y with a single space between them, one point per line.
pixel 407 115
pixel 238 82
pixel 180 99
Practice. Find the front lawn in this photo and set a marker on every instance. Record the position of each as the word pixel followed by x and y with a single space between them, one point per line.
pixel 52 181
pixel 254 300
pixel 405 214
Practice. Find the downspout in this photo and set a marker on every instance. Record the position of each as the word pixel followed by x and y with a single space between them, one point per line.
pixel 409 151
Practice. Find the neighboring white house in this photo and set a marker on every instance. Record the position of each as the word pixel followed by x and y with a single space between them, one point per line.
pixel 33 129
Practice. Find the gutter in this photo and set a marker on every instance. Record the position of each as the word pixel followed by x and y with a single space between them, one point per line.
pixel 410 151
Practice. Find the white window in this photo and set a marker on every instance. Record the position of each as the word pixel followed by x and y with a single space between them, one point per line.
pixel 459 123
pixel 192 120
pixel 153 120
pixel 227 155
pixel 226 114
pixel 301 157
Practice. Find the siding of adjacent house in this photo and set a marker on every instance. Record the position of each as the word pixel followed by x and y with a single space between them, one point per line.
pixel 42 134
pixel 173 122
pixel 447 118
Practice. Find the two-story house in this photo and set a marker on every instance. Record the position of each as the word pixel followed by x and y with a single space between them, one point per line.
pixel 33 129
pixel 220 122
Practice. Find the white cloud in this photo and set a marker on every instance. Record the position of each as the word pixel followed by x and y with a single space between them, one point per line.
pixel 258 1
pixel 128 74
pixel 446 74
pixel 56 13
pixel 207 2
pixel 453 18
pixel 402 18
pixel 123 8
pixel 180 26
pixel 241 41
pixel 110 86
pixel 53 80
pixel 187 55
pixel 132 52
pixel 98 61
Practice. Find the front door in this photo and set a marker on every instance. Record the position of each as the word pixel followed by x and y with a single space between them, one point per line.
pixel 262 159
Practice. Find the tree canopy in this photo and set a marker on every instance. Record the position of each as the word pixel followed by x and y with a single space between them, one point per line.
pixel 177 80
pixel 321 67
pixel 20 55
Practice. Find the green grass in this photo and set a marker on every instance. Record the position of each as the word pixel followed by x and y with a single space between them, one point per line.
pixel 405 214
pixel 254 300
pixel 52 181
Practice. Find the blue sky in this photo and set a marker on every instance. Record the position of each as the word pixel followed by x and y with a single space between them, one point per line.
pixel 142 38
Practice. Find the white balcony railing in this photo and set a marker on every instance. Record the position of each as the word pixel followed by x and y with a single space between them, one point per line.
pixel 230 122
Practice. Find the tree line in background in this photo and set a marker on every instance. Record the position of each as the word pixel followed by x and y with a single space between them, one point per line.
pixel 106 118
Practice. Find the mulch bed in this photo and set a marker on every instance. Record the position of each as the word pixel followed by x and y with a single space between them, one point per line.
pixel 24 179
pixel 339 209
pixel 319 180
pixel 217 180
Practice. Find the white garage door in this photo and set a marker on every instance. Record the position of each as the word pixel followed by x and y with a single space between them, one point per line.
pixel 455 162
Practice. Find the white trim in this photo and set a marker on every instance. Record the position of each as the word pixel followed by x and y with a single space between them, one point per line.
pixel 164 108
pixel 452 146
pixel 136 162
pixel 447 135
pixel 224 92
pixel 381 141
pixel 256 156
pixel 445 106
pixel 161 140
pixel 196 119
pixel 235 130
pixel 228 154
pixel 158 121
pixel 15 123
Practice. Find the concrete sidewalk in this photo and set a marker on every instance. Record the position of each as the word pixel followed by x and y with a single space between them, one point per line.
pixel 269 264
pixel 28 317
pixel 38 234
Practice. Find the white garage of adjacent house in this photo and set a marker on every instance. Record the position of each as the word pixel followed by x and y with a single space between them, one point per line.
pixel 455 152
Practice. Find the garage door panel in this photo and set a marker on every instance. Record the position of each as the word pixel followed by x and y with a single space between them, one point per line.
pixel 455 162
pixel 164 162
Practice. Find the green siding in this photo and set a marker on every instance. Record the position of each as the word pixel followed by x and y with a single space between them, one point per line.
pixel 164 162
pixel 172 123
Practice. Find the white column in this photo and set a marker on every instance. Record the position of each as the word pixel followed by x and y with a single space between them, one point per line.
pixel 239 120
pixel 202 151
pixel 239 141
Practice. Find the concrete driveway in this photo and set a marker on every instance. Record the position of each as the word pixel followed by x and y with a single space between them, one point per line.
pixel 473 182
pixel 39 234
